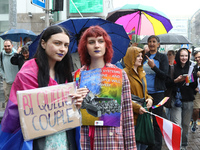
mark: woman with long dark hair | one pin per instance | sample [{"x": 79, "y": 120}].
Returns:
[{"x": 50, "y": 66}]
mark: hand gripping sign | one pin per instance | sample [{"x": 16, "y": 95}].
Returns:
[{"x": 47, "y": 110}]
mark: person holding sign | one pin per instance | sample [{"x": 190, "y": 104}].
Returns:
[
  {"x": 107, "y": 115},
  {"x": 50, "y": 66}
]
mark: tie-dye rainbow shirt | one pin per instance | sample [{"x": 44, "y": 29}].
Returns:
[{"x": 102, "y": 107}]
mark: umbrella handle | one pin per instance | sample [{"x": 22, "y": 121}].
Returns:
[{"x": 20, "y": 41}]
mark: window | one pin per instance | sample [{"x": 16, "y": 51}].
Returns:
[
  {"x": 3, "y": 26},
  {"x": 4, "y": 7}
]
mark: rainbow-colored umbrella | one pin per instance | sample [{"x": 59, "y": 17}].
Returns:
[{"x": 140, "y": 19}]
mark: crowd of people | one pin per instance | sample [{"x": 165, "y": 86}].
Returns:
[{"x": 147, "y": 77}]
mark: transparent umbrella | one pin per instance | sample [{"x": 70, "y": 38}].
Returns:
[{"x": 169, "y": 38}]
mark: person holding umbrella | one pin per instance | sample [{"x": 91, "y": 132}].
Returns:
[
  {"x": 20, "y": 57},
  {"x": 50, "y": 66},
  {"x": 156, "y": 68},
  {"x": 95, "y": 49},
  {"x": 22, "y": 53}
]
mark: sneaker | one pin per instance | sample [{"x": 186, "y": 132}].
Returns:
[
  {"x": 191, "y": 122},
  {"x": 194, "y": 126}
]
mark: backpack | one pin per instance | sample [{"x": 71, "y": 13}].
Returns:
[{"x": 1, "y": 57}]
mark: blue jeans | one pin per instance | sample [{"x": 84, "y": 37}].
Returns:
[
  {"x": 141, "y": 146},
  {"x": 182, "y": 116},
  {"x": 167, "y": 112}
]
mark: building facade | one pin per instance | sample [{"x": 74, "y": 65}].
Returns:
[
  {"x": 21, "y": 14},
  {"x": 194, "y": 32},
  {"x": 180, "y": 25},
  {"x": 4, "y": 18}
]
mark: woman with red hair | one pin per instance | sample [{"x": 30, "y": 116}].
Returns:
[
  {"x": 95, "y": 50},
  {"x": 82, "y": 47}
]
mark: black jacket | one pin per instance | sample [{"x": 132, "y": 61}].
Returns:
[
  {"x": 161, "y": 72},
  {"x": 187, "y": 92},
  {"x": 196, "y": 69},
  {"x": 17, "y": 59}
]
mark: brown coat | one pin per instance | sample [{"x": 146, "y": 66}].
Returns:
[{"x": 135, "y": 78}]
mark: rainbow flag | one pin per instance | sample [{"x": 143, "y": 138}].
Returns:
[
  {"x": 189, "y": 79},
  {"x": 130, "y": 37},
  {"x": 164, "y": 100},
  {"x": 77, "y": 76},
  {"x": 132, "y": 31}
]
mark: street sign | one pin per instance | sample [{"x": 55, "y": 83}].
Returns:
[
  {"x": 92, "y": 6},
  {"x": 39, "y": 3}
]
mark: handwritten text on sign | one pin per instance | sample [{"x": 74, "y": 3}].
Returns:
[{"x": 44, "y": 111}]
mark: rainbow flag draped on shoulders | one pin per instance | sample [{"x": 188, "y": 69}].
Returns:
[
  {"x": 11, "y": 137},
  {"x": 10, "y": 134}
]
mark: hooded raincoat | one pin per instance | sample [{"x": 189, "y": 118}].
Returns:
[
  {"x": 182, "y": 115},
  {"x": 187, "y": 92},
  {"x": 135, "y": 78}
]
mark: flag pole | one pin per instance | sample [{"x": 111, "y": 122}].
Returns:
[
  {"x": 160, "y": 117},
  {"x": 171, "y": 132}
]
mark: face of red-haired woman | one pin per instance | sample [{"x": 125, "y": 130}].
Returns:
[{"x": 96, "y": 47}]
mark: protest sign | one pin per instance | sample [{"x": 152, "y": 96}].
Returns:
[
  {"x": 47, "y": 110},
  {"x": 102, "y": 106}
]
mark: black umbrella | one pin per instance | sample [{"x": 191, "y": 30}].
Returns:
[{"x": 169, "y": 38}]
